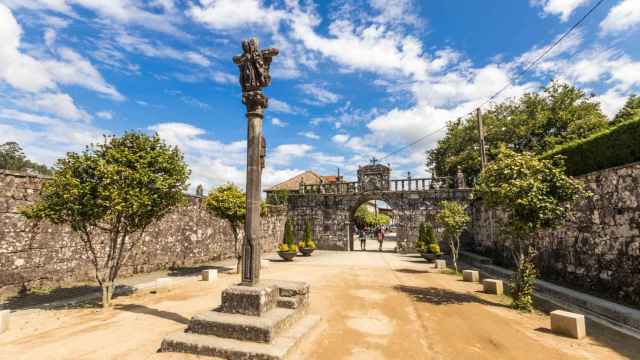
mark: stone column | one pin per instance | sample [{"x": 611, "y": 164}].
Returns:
[{"x": 255, "y": 102}]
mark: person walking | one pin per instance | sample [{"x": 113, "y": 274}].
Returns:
[
  {"x": 380, "y": 237},
  {"x": 363, "y": 240}
]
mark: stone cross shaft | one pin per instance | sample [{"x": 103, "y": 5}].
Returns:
[{"x": 254, "y": 75}]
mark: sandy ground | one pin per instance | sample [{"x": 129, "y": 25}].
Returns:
[{"x": 374, "y": 306}]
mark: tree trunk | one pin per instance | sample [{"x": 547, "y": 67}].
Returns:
[
  {"x": 236, "y": 248},
  {"x": 107, "y": 294}
]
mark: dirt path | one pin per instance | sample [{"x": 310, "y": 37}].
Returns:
[{"x": 374, "y": 306}]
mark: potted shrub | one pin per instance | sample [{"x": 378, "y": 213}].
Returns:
[
  {"x": 307, "y": 246},
  {"x": 429, "y": 248},
  {"x": 287, "y": 250}
]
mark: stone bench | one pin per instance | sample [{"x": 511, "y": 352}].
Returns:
[
  {"x": 441, "y": 264},
  {"x": 209, "y": 275},
  {"x": 568, "y": 324},
  {"x": 4, "y": 320},
  {"x": 471, "y": 276},
  {"x": 492, "y": 286}
]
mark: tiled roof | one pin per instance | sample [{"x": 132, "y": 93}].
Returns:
[{"x": 308, "y": 176}]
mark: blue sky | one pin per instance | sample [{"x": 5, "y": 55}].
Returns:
[{"x": 355, "y": 78}]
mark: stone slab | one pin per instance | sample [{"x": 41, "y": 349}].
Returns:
[
  {"x": 4, "y": 320},
  {"x": 233, "y": 349},
  {"x": 441, "y": 264},
  {"x": 209, "y": 275},
  {"x": 244, "y": 327},
  {"x": 493, "y": 286},
  {"x": 568, "y": 324},
  {"x": 249, "y": 300},
  {"x": 470, "y": 276}
]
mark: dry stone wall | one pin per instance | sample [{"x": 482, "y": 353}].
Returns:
[
  {"x": 47, "y": 253},
  {"x": 597, "y": 251}
]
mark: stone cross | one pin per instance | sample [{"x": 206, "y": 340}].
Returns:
[{"x": 254, "y": 75}]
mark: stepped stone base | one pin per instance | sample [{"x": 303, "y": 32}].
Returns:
[
  {"x": 207, "y": 345},
  {"x": 259, "y": 322}
]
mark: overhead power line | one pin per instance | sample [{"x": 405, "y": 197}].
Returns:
[{"x": 512, "y": 80}]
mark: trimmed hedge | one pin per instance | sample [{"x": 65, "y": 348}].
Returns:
[{"x": 615, "y": 146}]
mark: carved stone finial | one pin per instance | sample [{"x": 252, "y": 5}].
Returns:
[
  {"x": 199, "y": 190},
  {"x": 254, "y": 67}
]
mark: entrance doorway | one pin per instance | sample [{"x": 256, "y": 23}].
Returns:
[{"x": 373, "y": 226}]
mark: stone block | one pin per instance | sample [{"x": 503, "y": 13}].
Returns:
[
  {"x": 4, "y": 320},
  {"x": 209, "y": 275},
  {"x": 163, "y": 282},
  {"x": 493, "y": 286},
  {"x": 568, "y": 324},
  {"x": 471, "y": 276},
  {"x": 441, "y": 264},
  {"x": 249, "y": 300}
]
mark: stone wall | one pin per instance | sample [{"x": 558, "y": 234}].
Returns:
[
  {"x": 597, "y": 251},
  {"x": 47, "y": 253}
]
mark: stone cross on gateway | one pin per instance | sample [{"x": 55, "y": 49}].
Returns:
[{"x": 254, "y": 75}]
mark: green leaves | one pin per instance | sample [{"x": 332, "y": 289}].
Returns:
[
  {"x": 535, "y": 193},
  {"x": 227, "y": 202},
  {"x": 453, "y": 218},
  {"x": 368, "y": 218},
  {"x": 121, "y": 185}
]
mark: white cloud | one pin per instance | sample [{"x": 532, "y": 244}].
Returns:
[
  {"x": 279, "y": 123},
  {"x": 233, "y": 14},
  {"x": 561, "y": 8},
  {"x": 281, "y": 107},
  {"x": 309, "y": 135},
  {"x": 58, "y": 104},
  {"x": 611, "y": 102},
  {"x": 121, "y": 11},
  {"x": 137, "y": 44},
  {"x": 622, "y": 17},
  {"x": 107, "y": 115},
  {"x": 285, "y": 154},
  {"x": 340, "y": 138},
  {"x": 318, "y": 94}
]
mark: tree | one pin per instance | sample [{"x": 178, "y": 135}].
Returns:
[
  {"x": 109, "y": 194},
  {"x": 453, "y": 218},
  {"x": 229, "y": 203},
  {"x": 631, "y": 110},
  {"x": 534, "y": 194},
  {"x": 12, "y": 158},
  {"x": 427, "y": 239},
  {"x": 536, "y": 122},
  {"x": 367, "y": 218}
]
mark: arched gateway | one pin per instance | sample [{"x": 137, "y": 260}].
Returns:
[{"x": 330, "y": 208}]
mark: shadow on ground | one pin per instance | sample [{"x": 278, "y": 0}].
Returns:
[
  {"x": 83, "y": 296},
  {"x": 194, "y": 270},
  {"x": 141, "y": 309},
  {"x": 439, "y": 296},
  {"x": 412, "y": 271}
]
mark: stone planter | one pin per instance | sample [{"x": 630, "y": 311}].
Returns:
[
  {"x": 287, "y": 255},
  {"x": 430, "y": 257},
  {"x": 306, "y": 251}
]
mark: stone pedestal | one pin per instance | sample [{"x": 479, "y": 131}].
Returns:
[
  {"x": 470, "y": 276},
  {"x": 568, "y": 324},
  {"x": 209, "y": 275},
  {"x": 4, "y": 320},
  {"x": 492, "y": 286},
  {"x": 264, "y": 321},
  {"x": 441, "y": 264}
]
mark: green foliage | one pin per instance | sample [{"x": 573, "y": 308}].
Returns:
[
  {"x": 522, "y": 284},
  {"x": 307, "y": 238},
  {"x": 278, "y": 197},
  {"x": 288, "y": 233},
  {"x": 453, "y": 218},
  {"x": 615, "y": 146},
  {"x": 119, "y": 188},
  {"x": 229, "y": 203},
  {"x": 12, "y": 158},
  {"x": 366, "y": 218},
  {"x": 534, "y": 194},
  {"x": 630, "y": 111},
  {"x": 536, "y": 122},
  {"x": 426, "y": 238}
]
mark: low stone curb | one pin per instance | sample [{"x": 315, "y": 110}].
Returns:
[{"x": 610, "y": 314}]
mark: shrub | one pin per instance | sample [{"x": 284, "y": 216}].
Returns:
[
  {"x": 434, "y": 249},
  {"x": 288, "y": 234},
  {"x": 614, "y": 146},
  {"x": 283, "y": 247}
]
